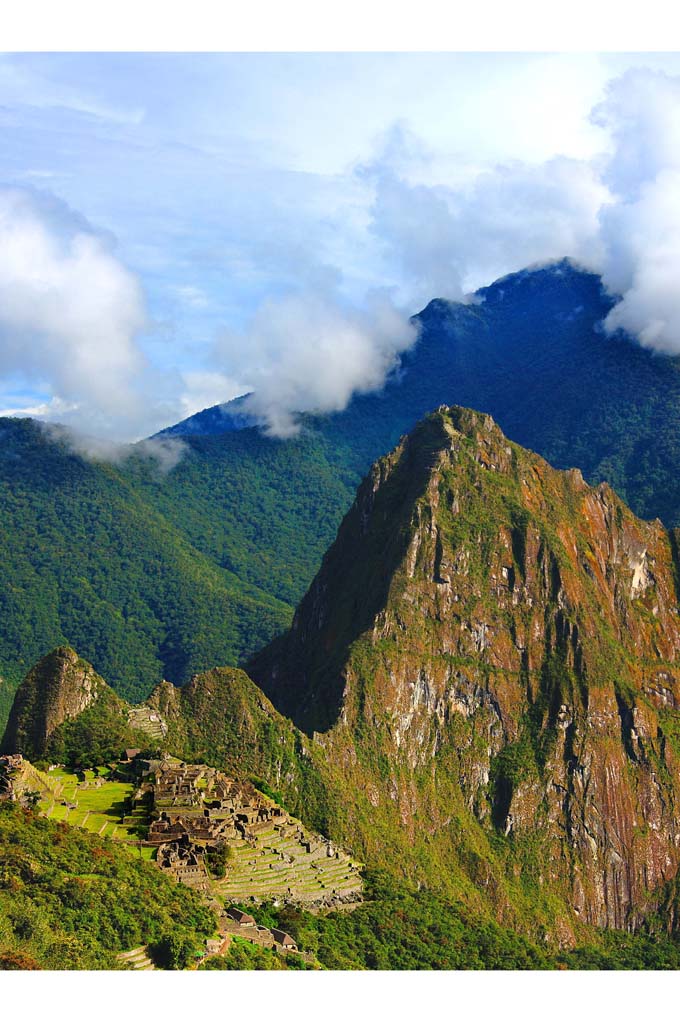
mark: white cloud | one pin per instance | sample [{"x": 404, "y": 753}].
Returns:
[
  {"x": 640, "y": 227},
  {"x": 310, "y": 351},
  {"x": 49, "y": 409},
  {"x": 617, "y": 213},
  {"x": 510, "y": 170},
  {"x": 69, "y": 310},
  {"x": 165, "y": 452},
  {"x": 205, "y": 389},
  {"x": 192, "y": 296},
  {"x": 445, "y": 242}
]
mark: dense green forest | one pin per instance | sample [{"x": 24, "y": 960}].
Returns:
[
  {"x": 71, "y": 901},
  {"x": 401, "y": 929},
  {"x": 87, "y": 561},
  {"x": 97, "y": 735}
]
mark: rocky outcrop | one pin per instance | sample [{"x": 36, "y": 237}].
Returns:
[
  {"x": 61, "y": 686},
  {"x": 490, "y": 653}
]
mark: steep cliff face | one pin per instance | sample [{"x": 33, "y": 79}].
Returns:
[
  {"x": 61, "y": 686},
  {"x": 490, "y": 655}
]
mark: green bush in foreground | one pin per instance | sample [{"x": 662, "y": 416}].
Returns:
[{"x": 71, "y": 901}]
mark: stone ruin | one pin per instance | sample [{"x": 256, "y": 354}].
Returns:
[
  {"x": 205, "y": 805},
  {"x": 184, "y": 861},
  {"x": 196, "y": 806},
  {"x": 91, "y": 784},
  {"x": 10, "y": 767}
]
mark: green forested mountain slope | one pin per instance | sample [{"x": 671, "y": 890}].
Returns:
[
  {"x": 87, "y": 561},
  {"x": 262, "y": 508}
]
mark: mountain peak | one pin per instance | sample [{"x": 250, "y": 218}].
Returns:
[
  {"x": 559, "y": 279},
  {"x": 504, "y": 623},
  {"x": 59, "y": 687}
]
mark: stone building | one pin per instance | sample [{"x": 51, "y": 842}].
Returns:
[
  {"x": 241, "y": 918},
  {"x": 283, "y": 939}
]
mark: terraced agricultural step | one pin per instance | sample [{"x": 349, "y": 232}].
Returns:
[{"x": 141, "y": 719}]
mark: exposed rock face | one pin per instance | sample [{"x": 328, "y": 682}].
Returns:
[
  {"x": 490, "y": 653},
  {"x": 59, "y": 687}
]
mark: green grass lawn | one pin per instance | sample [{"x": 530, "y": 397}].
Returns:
[{"x": 97, "y": 810}]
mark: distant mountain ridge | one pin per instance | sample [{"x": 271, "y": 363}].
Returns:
[
  {"x": 443, "y": 356},
  {"x": 212, "y": 420},
  {"x": 531, "y": 352}
]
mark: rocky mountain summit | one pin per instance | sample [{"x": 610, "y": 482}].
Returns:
[
  {"x": 58, "y": 688},
  {"x": 490, "y": 655}
]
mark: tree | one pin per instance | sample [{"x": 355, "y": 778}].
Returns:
[{"x": 176, "y": 950}]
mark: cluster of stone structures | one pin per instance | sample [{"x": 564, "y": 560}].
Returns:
[
  {"x": 185, "y": 862},
  {"x": 10, "y": 767},
  {"x": 199, "y": 802},
  {"x": 238, "y": 922},
  {"x": 196, "y": 807}
]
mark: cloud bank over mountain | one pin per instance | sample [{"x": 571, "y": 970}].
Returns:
[
  {"x": 448, "y": 242},
  {"x": 312, "y": 351},
  {"x": 295, "y": 272},
  {"x": 618, "y": 214},
  {"x": 640, "y": 226},
  {"x": 69, "y": 309}
]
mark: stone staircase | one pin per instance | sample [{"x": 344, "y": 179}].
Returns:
[{"x": 136, "y": 959}]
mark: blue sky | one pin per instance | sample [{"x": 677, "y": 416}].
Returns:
[{"x": 242, "y": 219}]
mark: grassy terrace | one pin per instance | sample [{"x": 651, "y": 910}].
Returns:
[
  {"x": 107, "y": 810},
  {"x": 277, "y": 866},
  {"x": 263, "y": 873}
]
